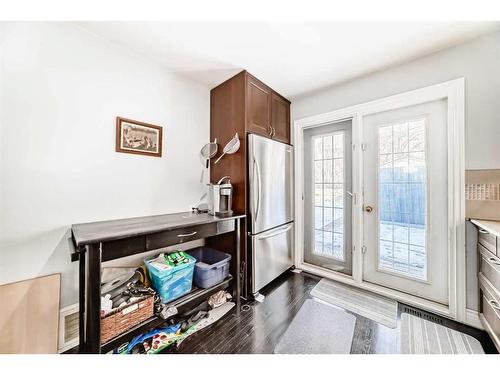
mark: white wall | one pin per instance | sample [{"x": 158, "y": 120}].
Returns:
[
  {"x": 62, "y": 89},
  {"x": 478, "y": 61}
]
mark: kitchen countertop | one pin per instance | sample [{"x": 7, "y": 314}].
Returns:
[{"x": 491, "y": 226}]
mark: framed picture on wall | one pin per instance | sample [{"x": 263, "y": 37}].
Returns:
[{"x": 135, "y": 137}]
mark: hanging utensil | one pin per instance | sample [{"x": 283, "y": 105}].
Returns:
[
  {"x": 207, "y": 152},
  {"x": 232, "y": 146}
]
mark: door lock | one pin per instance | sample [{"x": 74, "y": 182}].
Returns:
[{"x": 368, "y": 209}]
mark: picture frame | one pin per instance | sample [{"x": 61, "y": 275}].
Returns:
[{"x": 136, "y": 137}]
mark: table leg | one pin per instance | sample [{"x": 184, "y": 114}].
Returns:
[
  {"x": 237, "y": 246},
  {"x": 93, "y": 300},
  {"x": 81, "y": 301}
]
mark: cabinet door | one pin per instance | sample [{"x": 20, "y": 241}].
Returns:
[
  {"x": 258, "y": 107},
  {"x": 280, "y": 118}
]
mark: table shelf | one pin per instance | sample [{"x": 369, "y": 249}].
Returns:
[{"x": 184, "y": 303}]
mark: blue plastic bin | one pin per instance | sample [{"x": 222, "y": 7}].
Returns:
[
  {"x": 172, "y": 283},
  {"x": 211, "y": 268}
]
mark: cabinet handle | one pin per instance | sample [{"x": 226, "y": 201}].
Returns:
[
  {"x": 495, "y": 304},
  {"x": 274, "y": 131},
  {"x": 187, "y": 234},
  {"x": 492, "y": 261},
  {"x": 483, "y": 231},
  {"x": 270, "y": 131}
]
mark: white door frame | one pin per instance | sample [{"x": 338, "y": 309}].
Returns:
[{"x": 453, "y": 91}]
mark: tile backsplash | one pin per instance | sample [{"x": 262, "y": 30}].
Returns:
[{"x": 482, "y": 194}]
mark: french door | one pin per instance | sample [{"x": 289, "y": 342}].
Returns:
[
  {"x": 328, "y": 197},
  {"x": 402, "y": 197},
  {"x": 405, "y": 196}
]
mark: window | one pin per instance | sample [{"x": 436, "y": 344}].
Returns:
[
  {"x": 402, "y": 190},
  {"x": 328, "y": 159}
]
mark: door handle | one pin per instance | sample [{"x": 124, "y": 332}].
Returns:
[
  {"x": 257, "y": 168},
  {"x": 368, "y": 209},
  {"x": 278, "y": 232}
]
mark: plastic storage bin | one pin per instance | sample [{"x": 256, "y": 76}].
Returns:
[
  {"x": 212, "y": 266},
  {"x": 171, "y": 283}
]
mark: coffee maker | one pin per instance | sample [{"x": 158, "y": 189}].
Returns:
[{"x": 220, "y": 196}]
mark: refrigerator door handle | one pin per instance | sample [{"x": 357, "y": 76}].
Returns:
[
  {"x": 256, "y": 167},
  {"x": 276, "y": 233}
]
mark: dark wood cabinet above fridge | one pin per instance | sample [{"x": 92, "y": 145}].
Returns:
[{"x": 267, "y": 112}]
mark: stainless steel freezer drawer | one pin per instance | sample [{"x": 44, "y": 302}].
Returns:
[{"x": 271, "y": 255}]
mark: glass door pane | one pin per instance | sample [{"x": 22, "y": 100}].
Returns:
[
  {"x": 329, "y": 177},
  {"x": 402, "y": 193}
]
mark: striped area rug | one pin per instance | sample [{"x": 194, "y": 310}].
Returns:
[
  {"x": 370, "y": 305},
  {"x": 420, "y": 336}
]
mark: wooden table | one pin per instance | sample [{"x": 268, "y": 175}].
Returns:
[{"x": 92, "y": 244}]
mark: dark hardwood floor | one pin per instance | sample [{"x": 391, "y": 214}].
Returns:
[{"x": 259, "y": 326}]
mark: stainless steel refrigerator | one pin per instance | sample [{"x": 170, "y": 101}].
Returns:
[{"x": 271, "y": 208}]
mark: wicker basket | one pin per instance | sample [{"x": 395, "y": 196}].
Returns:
[{"x": 126, "y": 317}]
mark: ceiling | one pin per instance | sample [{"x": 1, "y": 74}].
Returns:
[{"x": 293, "y": 58}]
